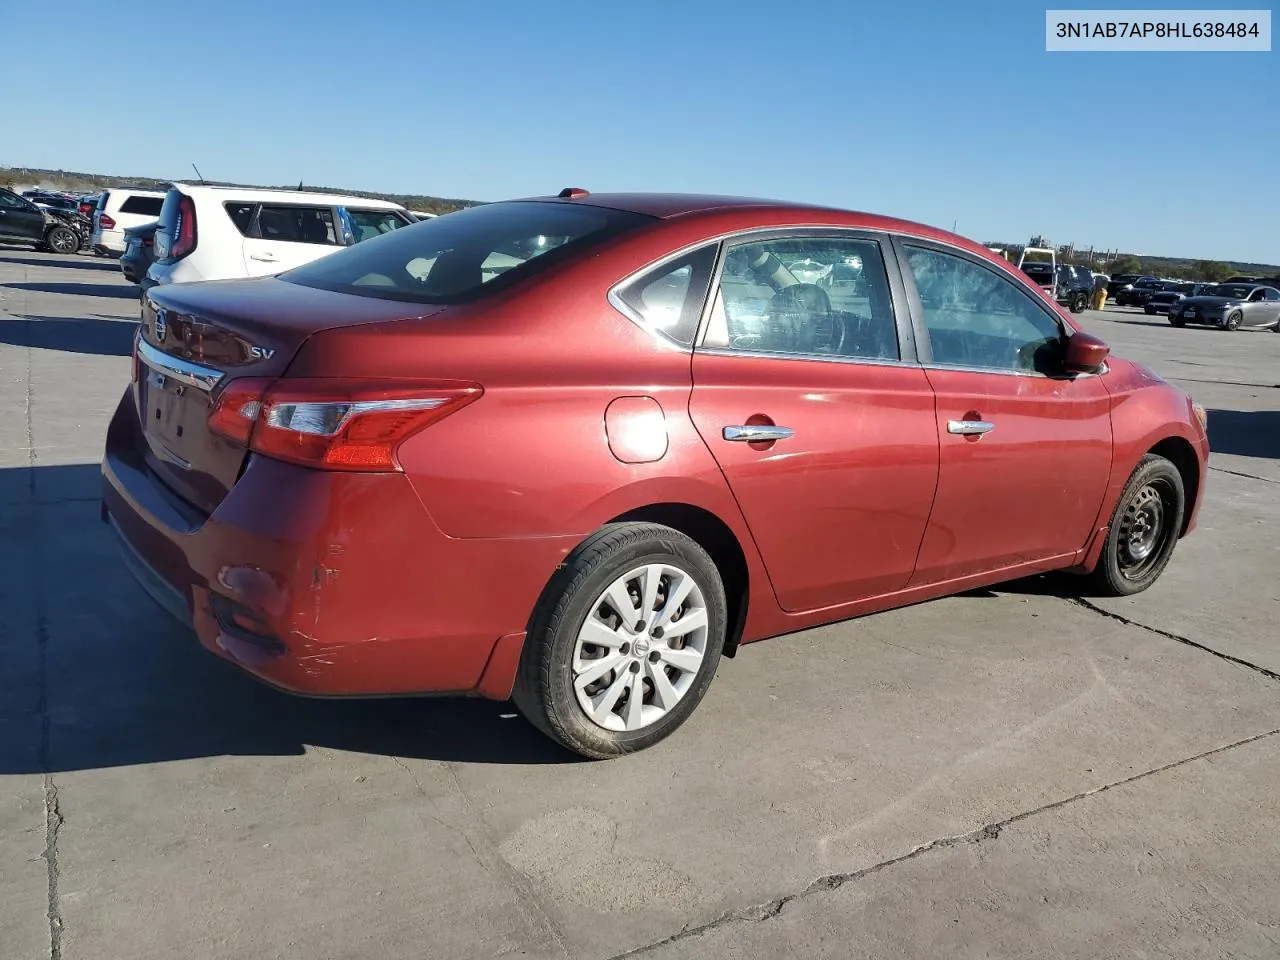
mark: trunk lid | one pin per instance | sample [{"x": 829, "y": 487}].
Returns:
[{"x": 195, "y": 338}]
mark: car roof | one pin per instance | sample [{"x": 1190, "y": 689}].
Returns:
[
  {"x": 736, "y": 213},
  {"x": 263, "y": 194}
]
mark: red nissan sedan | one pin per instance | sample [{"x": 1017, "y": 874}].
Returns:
[{"x": 572, "y": 450}]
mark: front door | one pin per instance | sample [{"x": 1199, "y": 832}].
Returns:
[
  {"x": 1025, "y": 450},
  {"x": 822, "y": 425},
  {"x": 19, "y": 219}
]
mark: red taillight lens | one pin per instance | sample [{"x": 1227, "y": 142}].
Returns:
[
  {"x": 184, "y": 239},
  {"x": 106, "y": 223},
  {"x": 147, "y": 241},
  {"x": 334, "y": 425},
  {"x": 236, "y": 409}
]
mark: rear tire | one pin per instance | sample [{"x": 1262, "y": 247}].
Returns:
[
  {"x": 1149, "y": 311},
  {"x": 1177, "y": 321},
  {"x": 1079, "y": 302},
  {"x": 1144, "y": 529},
  {"x": 577, "y": 627}
]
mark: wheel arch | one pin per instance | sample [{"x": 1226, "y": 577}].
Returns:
[
  {"x": 714, "y": 536},
  {"x": 1178, "y": 451}
]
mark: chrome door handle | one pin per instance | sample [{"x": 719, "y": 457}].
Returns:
[
  {"x": 970, "y": 428},
  {"x": 264, "y": 257},
  {"x": 757, "y": 432}
]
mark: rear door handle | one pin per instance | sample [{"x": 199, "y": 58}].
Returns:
[
  {"x": 757, "y": 432},
  {"x": 264, "y": 257},
  {"x": 970, "y": 428}
]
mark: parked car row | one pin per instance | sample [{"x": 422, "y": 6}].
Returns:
[{"x": 43, "y": 226}]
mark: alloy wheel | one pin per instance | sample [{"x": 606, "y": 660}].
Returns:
[
  {"x": 640, "y": 648},
  {"x": 63, "y": 241}
]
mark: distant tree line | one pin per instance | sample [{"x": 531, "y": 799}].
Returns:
[{"x": 1211, "y": 271}]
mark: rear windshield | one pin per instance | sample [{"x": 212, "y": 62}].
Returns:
[
  {"x": 465, "y": 255},
  {"x": 145, "y": 206}
]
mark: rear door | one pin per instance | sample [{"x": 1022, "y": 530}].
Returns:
[
  {"x": 807, "y": 393},
  {"x": 284, "y": 236},
  {"x": 19, "y": 219},
  {"x": 1025, "y": 450}
]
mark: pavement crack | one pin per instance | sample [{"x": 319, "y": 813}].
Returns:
[
  {"x": 770, "y": 910},
  {"x": 1247, "y": 476},
  {"x": 1088, "y": 605}
]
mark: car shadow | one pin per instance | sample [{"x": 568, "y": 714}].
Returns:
[
  {"x": 111, "y": 337},
  {"x": 96, "y": 676},
  {"x": 128, "y": 292},
  {"x": 73, "y": 262},
  {"x": 1245, "y": 433}
]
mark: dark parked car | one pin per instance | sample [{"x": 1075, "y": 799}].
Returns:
[
  {"x": 1137, "y": 294},
  {"x": 22, "y": 221},
  {"x": 1231, "y": 306},
  {"x": 1072, "y": 286},
  {"x": 1122, "y": 280},
  {"x": 1162, "y": 301},
  {"x": 139, "y": 251},
  {"x": 581, "y": 479}
]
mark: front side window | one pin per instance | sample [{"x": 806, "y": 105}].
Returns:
[
  {"x": 367, "y": 224},
  {"x": 669, "y": 298},
  {"x": 10, "y": 201},
  {"x": 815, "y": 296},
  {"x": 467, "y": 254},
  {"x": 977, "y": 318},
  {"x": 297, "y": 225}
]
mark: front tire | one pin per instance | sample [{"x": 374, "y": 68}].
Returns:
[
  {"x": 1144, "y": 529},
  {"x": 1233, "y": 320},
  {"x": 62, "y": 240},
  {"x": 1079, "y": 302},
  {"x": 624, "y": 642},
  {"x": 1177, "y": 321}
]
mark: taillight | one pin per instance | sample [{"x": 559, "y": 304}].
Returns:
[
  {"x": 105, "y": 222},
  {"x": 236, "y": 409},
  {"x": 184, "y": 234},
  {"x": 147, "y": 241},
  {"x": 334, "y": 425}
]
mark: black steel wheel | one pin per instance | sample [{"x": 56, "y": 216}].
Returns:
[{"x": 1145, "y": 528}]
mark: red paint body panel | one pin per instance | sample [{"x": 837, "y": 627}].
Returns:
[
  {"x": 837, "y": 511},
  {"x": 382, "y": 583},
  {"x": 1029, "y": 489}
]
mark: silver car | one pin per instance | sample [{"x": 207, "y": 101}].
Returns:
[{"x": 1230, "y": 306}]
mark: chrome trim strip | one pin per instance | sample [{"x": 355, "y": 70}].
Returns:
[
  {"x": 820, "y": 357},
  {"x": 184, "y": 371}
]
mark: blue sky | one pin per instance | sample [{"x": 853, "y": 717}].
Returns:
[{"x": 936, "y": 111}]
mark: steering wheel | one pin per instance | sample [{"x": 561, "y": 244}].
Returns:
[{"x": 800, "y": 319}]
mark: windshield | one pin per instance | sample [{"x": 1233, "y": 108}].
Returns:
[
  {"x": 1234, "y": 291},
  {"x": 465, "y": 255}
]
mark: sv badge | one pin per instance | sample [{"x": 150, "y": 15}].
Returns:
[{"x": 261, "y": 353}]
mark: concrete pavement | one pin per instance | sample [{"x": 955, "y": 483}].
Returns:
[{"x": 1008, "y": 773}]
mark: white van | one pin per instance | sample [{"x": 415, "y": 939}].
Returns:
[
  {"x": 117, "y": 210},
  {"x": 223, "y": 233}
]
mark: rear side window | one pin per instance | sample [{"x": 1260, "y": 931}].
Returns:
[
  {"x": 143, "y": 206},
  {"x": 669, "y": 298},
  {"x": 241, "y": 215},
  {"x": 297, "y": 225},
  {"x": 467, "y": 254}
]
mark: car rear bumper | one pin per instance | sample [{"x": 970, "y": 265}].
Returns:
[{"x": 326, "y": 583}]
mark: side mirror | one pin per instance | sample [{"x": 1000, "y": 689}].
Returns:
[{"x": 1085, "y": 353}]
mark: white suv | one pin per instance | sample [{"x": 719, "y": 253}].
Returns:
[
  {"x": 223, "y": 233},
  {"x": 119, "y": 209}
]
